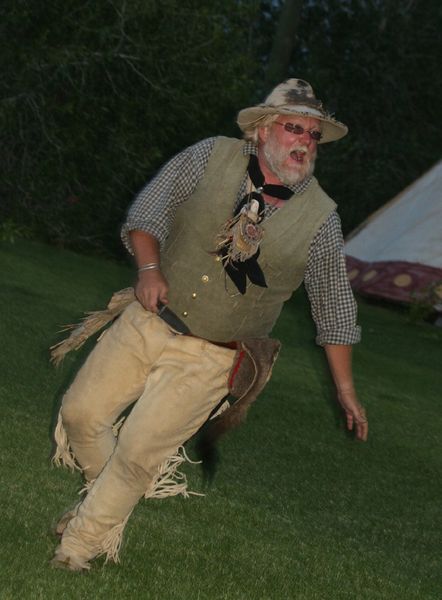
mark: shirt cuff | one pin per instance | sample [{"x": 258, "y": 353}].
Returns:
[
  {"x": 346, "y": 336},
  {"x": 154, "y": 230}
]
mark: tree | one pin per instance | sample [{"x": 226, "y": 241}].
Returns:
[
  {"x": 374, "y": 64},
  {"x": 283, "y": 42},
  {"x": 96, "y": 96}
]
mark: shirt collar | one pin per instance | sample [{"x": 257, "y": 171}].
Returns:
[{"x": 297, "y": 188}]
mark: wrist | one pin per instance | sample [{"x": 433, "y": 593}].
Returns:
[
  {"x": 151, "y": 266},
  {"x": 150, "y": 276},
  {"x": 346, "y": 386}
]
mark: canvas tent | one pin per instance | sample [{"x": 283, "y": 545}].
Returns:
[{"x": 397, "y": 252}]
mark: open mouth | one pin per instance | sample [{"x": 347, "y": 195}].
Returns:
[{"x": 298, "y": 155}]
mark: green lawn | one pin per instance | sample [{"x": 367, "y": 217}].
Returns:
[{"x": 298, "y": 510}]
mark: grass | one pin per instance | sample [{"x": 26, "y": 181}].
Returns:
[{"x": 298, "y": 510}]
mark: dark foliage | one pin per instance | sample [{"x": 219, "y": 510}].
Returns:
[
  {"x": 99, "y": 94},
  {"x": 96, "y": 96},
  {"x": 375, "y": 62}
]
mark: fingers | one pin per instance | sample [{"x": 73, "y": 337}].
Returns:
[
  {"x": 151, "y": 302},
  {"x": 359, "y": 424},
  {"x": 151, "y": 289},
  {"x": 355, "y": 416},
  {"x": 362, "y": 431},
  {"x": 145, "y": 297}
]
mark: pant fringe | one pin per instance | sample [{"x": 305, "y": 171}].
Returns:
[
  {"x": 170, "y": 481},
  {"x": 111, "y": 543},
  {"x": 86, "y": 487},
  {"x": 63, "y": 455},
  {"x": 117, "y": 426}
]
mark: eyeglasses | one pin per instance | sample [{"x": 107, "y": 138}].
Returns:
[{"x": 314, "y": 134}]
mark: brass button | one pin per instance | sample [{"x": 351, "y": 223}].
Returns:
[
  {"x": 185, "y": 313},
  {"x": 194, "y": 295},
  {"x": 205, "y": 278},
  {"x": 217, "y": 258}
]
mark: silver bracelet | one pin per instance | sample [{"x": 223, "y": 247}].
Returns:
[{"x": 148, "y": 267}]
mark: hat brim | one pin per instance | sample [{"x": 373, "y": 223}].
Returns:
[{"x": 332, "y": 130}]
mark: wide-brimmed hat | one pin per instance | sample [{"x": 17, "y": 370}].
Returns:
[{"x": 294, "y": 97}]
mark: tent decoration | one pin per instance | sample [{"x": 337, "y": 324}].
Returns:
[{"x": 396, "y": 253}]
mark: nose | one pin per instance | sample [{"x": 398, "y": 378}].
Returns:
[{"x": 306, "y": 138}]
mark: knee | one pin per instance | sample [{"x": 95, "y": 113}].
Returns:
[{"x": 77, "y": 416}]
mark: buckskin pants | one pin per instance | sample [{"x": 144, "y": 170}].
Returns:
[{"x": 175, "y": 382}]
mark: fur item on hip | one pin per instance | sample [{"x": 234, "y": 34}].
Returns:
[{"x": 251, "y": 371}]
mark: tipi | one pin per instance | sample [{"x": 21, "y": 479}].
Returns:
[{"x": 397, "y": 252}]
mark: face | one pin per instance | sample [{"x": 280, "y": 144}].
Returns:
[{"x": 289, "y": 156}]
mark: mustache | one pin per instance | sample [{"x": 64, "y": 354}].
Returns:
[{"x": 300, "y": 148}]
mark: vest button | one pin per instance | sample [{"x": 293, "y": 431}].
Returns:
[
  {"x": 205, "y": 278},
  {"x": 185, "y": 313},
  {"x": 217, "y": 258},
  {"x": 194, "y": 295}
]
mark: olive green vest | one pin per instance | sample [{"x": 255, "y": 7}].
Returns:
[{"x": 200, "y": 292}]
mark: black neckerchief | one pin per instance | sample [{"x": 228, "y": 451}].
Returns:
[
  {"x": 276, "y": 191},
  {"x": 239, "y": 271}
]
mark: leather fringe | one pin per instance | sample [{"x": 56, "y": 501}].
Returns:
[
  {"x": 63, "y": 455},
  {"x": 112, "y": 540},
  {"x": 170, "y": 481},
  {"x": 92, "y": 322}
]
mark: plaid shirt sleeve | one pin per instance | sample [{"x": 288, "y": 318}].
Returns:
[
  {"x": 332, "y": 303},
  {"x": 153, "y": 209}
]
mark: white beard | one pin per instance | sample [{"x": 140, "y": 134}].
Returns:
[{"x": 276, "y": 157}]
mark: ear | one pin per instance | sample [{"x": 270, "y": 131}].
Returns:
[{"x": 263, "y": 134}]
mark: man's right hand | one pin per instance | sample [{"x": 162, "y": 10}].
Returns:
[{"x": 151, "y": 288}]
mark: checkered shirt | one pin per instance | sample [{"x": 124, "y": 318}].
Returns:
[{"x": 332, "y": 303}]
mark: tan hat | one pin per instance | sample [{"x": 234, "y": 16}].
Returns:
[{"x": 293, "y": 97}]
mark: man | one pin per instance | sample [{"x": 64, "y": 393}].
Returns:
[{"x": 222, "y": 236}]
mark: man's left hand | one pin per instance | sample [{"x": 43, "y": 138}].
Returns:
[{"x": 354, "y": 412}]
